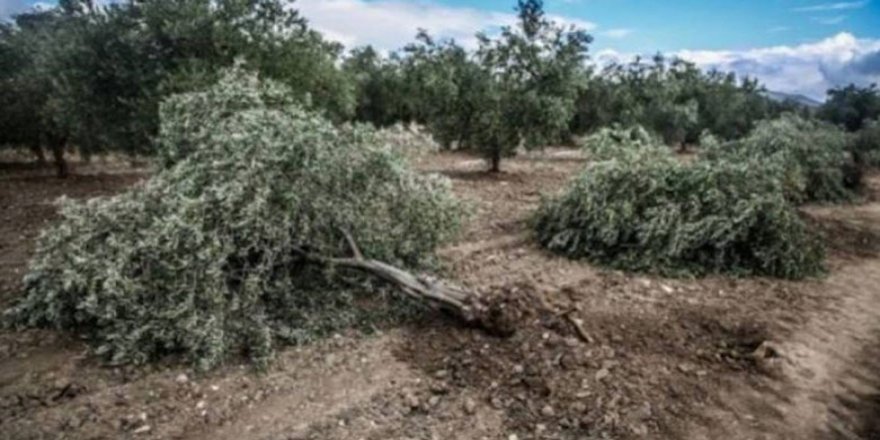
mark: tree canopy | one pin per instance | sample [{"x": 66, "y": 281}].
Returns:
[
  {"x": 91, "y": 77},
  {"x": 533, "y": 72},
  {"x": 851, "y": 106},
  {"x": 672, "y": 98}
]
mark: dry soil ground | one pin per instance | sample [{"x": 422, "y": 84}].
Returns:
[{"x": 599, "y": 354}]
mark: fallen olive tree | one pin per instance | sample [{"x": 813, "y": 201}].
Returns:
[
  {"x": 811, "y": 158},
  {"x": 264, "y": 224},
  {"x": 643, "y": 209},
  {"x": 439, "y": 295}
]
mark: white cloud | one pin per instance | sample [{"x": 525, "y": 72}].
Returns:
[
  {"x": 809, "y": 69},
  {"x": 617, "y": 33},
  {"x": 839, "y": 6},
  {"x": 10, "y": 7},
  {"x": 390, "y": 24},
  {"x": 830, "y": 20}
]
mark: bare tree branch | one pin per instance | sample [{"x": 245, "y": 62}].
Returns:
[
  {"x": 439, "y": 295},
  {"x": 355, "y": 250}
]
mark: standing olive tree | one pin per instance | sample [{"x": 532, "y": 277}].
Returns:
[
  {"x": 450, "y": 88},
  {"x": 89, "y": 77},
  {"x": 18, "y": 126},
  {"x": 672, "y": 98},
  {"x": 377, "y": 86},
  {"x": 35, "y": 50},
  {"x": 531, "y": 77},
  {"x": 851, "y": 106}
]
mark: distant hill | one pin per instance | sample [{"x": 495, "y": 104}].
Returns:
[{"x": 798, "y": 99}]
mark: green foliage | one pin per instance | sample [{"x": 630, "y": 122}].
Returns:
[
  {"x": 201, "y": 259},
  {"x": 18, "y": 107},
  {"x": 411, "y": 141},
  {"x": 811, "y": 158},
  {"x": 657, "y": 214},
  {"x": 517, "y": 90},
  {"x": 866, "y": 144},
  {"x": 92, "y": 77},
  {"x": 534, "y": 71},
  {"x": 33, "y": 49},
  {"x": 673, "y": 98},
  {"x": 378, "y": 86},
  {"x": 851, "y": 107},
  {"x": 609, "y": 143},
  {"x": 449, "y": 87}
]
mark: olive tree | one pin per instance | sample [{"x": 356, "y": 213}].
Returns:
[
  {"x": 20, "y": 106},
  {"x": 812, "y": 158},
  {"x": 865, "y": 144},
  {"x": 35, "y": 49},
  {"x": 265, "y": 224},
  {"x": 672, "y": 98},
  {"x": 851, "y": 106},
  {"x": 90, "y": 77},
  {"x": 532, "y": 73},
  {"x": 448, "y": 86},
  {"x": 639, "y": 208},
  {"x": 377, "y": 87}
]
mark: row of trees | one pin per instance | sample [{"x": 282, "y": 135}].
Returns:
[
  {"x": 530, "y": 87},
  {"x": 857, "y": 110},
  {"x": 674, "y": 99},
  {"x": 91, "y": 78},
  {"x": 852, "y": 107}
]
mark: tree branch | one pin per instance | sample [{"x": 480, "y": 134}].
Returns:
[
  {"x": 465, "y": 305},
  {"x": 355, "y": 250}
]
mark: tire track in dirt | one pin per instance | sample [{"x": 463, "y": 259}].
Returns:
[
  {"x": 367, "y": 394},
  {"x": 320, "y": 394},
  {"x": 822, "y": 379}
]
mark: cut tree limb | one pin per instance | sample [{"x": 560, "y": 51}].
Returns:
[{"x": 438, "y": 294}]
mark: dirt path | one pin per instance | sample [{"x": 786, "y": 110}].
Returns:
[{"x": 827, "y": 373}]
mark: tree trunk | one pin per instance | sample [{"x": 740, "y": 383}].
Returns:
[
  {"x": 58, "y": 154},
  {"x": 438, "y": 295},
  {"x": 466, "y": 305},
  {"x": 39, "y": 154},
  {"x": 495, "y": 161}
]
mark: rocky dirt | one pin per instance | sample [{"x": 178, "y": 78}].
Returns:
[{"x": 599, "y": 354}]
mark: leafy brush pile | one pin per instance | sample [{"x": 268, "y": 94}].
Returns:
[
  {"x": 656, "y": 214},
  {"x": 614, "y": 142},
  {"x": 411, "y": 141},
  {"x": 202, "y": 260},
  {"x": 812, "y": 158}
]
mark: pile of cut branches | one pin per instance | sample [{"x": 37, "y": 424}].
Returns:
[
  {"x": 643, "y": 209},
  {"x": 812, "y": 158},
  {"x": 244, "y": 238}
]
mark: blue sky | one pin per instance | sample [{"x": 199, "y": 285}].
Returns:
[
  {"x": 794, "y": 46},
  {"x": 711, "y": 24}
]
